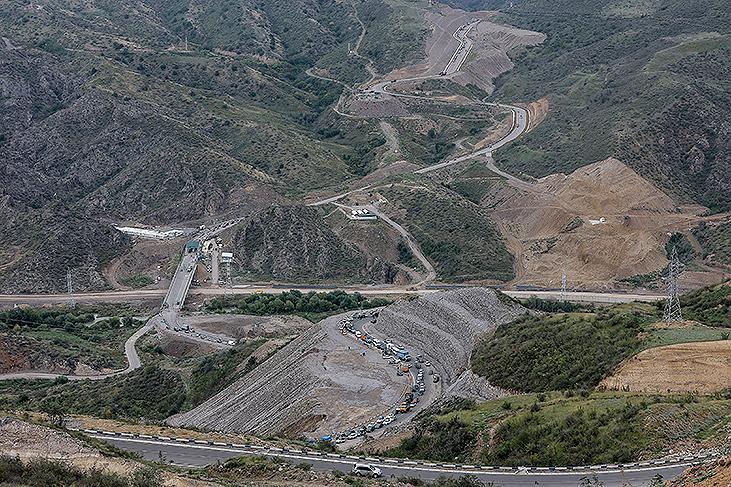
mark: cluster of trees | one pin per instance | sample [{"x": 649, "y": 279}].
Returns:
[
  {"x": 17, "y": 319},
  {"x": 553, "y": 306},
  {"x": 545, "y": 353},
  {"x": 292, "y": 302}
]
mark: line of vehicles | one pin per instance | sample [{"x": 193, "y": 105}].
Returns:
[{"x": 396, "y": 355}]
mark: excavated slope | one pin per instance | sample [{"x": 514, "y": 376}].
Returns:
[
  {"x": 321, "y": 382},
  {"x": 444, "y": 326}
]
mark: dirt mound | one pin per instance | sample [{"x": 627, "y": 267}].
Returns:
[
  {"x": 601, "y": 223},
  {"x": 488, "y": 57},
  {"x": 686, "y": 367},
  {"x": 716, "y": 474}
]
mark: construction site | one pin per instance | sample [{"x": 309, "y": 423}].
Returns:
[{"x": 349, "y": 371}]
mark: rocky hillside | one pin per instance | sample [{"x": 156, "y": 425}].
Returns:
[
  {"x": 293, "y": 243},
  {"x": 645, "y": 82},
  {"x": 160, "y": 112}
]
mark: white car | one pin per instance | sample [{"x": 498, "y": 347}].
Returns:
[{"x": 365, "y": 470}]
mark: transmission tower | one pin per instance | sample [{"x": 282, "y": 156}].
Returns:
[
  {"x": 563, "y": 286},
  {"x": 672, "y": 303}
]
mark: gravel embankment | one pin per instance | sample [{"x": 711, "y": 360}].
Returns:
[{"x": 444, "y": 327}]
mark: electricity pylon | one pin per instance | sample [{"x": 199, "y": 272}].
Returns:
[
  {"x": 563, "y": 286},
  {"x": 672, "y": 302}
]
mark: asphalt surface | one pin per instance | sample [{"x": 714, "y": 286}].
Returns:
[
  {"x": 198, "y": 454},
  {"x": 121, "y": 296}
]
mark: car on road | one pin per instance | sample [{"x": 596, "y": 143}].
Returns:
[
  {"x": 435, "y": 379},
  {"x": 365, "y": 470},
  {"x": 427, "y": 363},
  {"x": 353, "y": 435}
]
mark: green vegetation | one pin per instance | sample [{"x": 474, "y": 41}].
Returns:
[
  {"x": 555, "y": 306},
  {"x": 311, "y": 305},
  {"x": 457, "y": 236},
  {"x": 553, "y": 430},
  {"x": 577, "y": 346},
  {"x": 681, "y": 244},
  {"x": 138, "y": 280},
  {"x": 51, "y": 473},
  {"x": 715, "y": 242},
  {"x": 565, "y": 351},
  {"x": 710, "y": 305},
  {"x": 70, "y": 335},
  {"x": 149, "y": 392},
  {"x": 647, "y": 87},
  {"x": 396, "y": 33}
]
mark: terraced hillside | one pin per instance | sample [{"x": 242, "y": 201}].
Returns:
[{"x": 323, "y": 381}]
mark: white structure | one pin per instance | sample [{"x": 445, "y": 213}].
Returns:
[
  {"x": 227, "y": 257},
  {"x": 600, "y": 221},
  {"x": 151, "y": 234},
  {"x": 362, "y": 214}
]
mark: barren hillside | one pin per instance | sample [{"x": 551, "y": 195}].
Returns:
[{"x": 601, "y": 223}]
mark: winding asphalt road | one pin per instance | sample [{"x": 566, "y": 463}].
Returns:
[
  {"x": 133, "y": 361},
  {"x": 198, "y": 453}
]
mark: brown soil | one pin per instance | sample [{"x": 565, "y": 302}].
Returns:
[
  {"x": 144, "y": 259},
  {"x": 537, "y": 219},
  {"x": 687, "y": 367},
  {"x": 716, "y": 474},
  {"x": 537, "y": 112}
]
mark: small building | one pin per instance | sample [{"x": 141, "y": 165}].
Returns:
[
  {"x": 362, "y": 214},
  {"x": 193, "y": 246},
  {"x": 227, "y": 257}
]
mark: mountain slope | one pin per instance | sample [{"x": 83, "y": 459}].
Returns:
[{"x": 647, "y": 84}]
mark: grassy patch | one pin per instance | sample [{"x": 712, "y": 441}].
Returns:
[
  {"x": 552, "y": 429},
  {"x": 138, "y": 280}
]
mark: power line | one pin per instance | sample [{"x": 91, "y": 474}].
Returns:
[{"x": 672, "y": 303}]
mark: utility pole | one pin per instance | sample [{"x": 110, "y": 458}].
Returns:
[
  {"x": 563, "y": 286},
  {"x": 69, "y": 286},
  {"x": 672, "y": 302}
]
